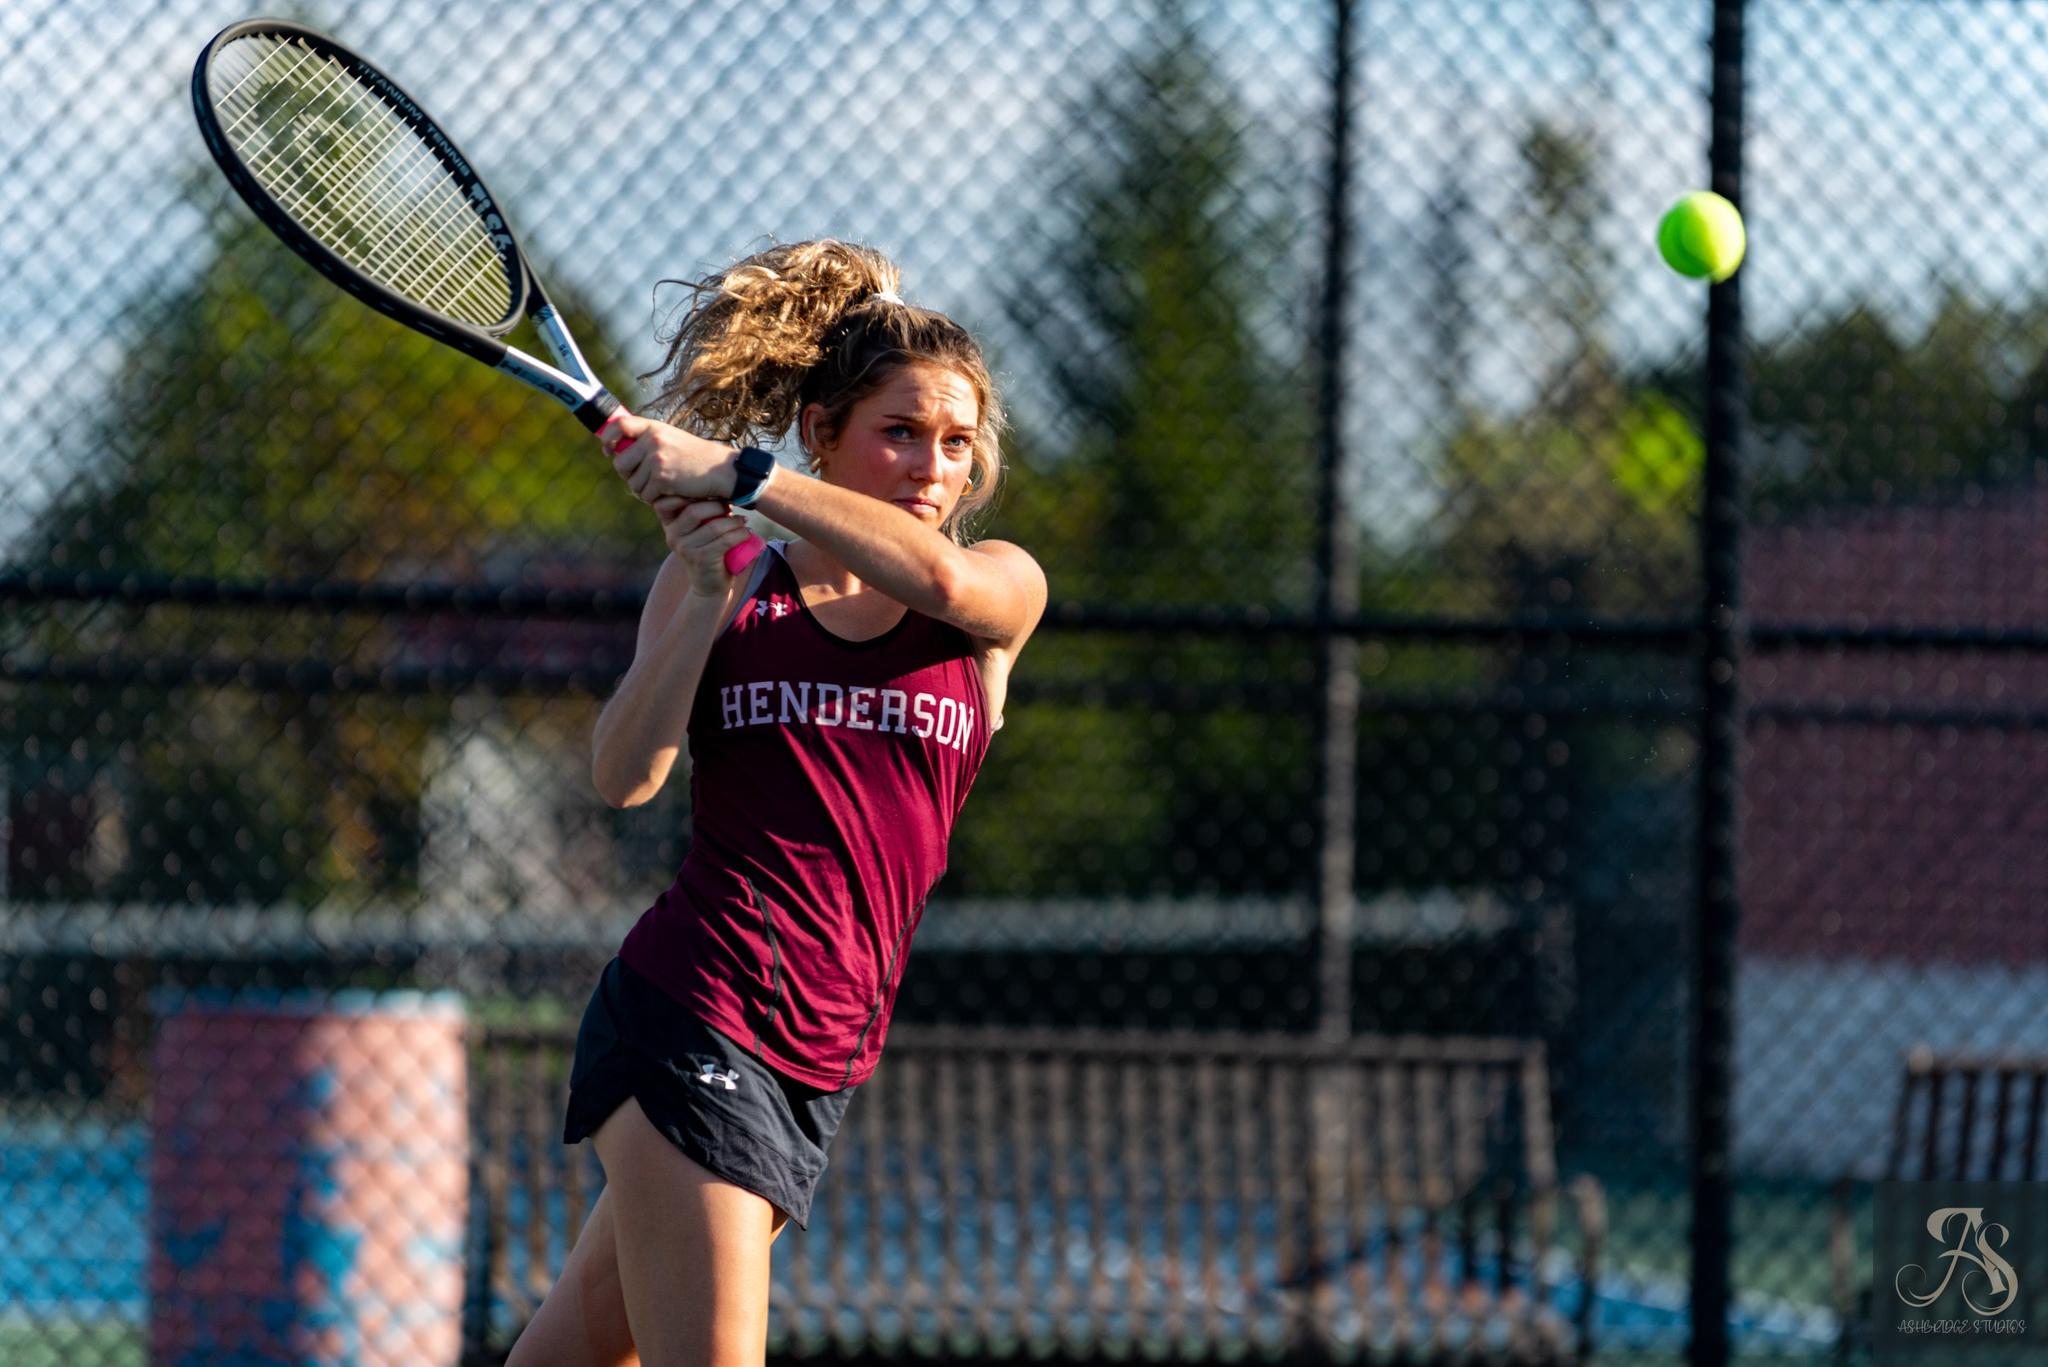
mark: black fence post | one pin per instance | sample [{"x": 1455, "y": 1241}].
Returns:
[
  {"x": 1336, "y": 570},
  {"x": 1719, "y": 909}
]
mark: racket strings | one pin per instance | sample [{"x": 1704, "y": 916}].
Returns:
[
  {"x": 352, "y": 174},
  {"x": 422, "y": 251},
  {"x": 351, "y": 204},
  {"x": 358, "y": 177}
]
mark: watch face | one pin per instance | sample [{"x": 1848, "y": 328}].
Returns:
[{"x": 754, "y": 465}]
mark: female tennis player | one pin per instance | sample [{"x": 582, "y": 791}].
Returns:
[{"x": 837, "y": 698}]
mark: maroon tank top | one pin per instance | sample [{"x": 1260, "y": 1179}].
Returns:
[{"x": 825, "y": 777}]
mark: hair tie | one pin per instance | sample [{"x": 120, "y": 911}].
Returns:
[{"x": 888, "y": 297}]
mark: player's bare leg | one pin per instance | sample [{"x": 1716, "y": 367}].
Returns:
[
  {"x": 582, "y": 1323},
  {"x": 692, "y": 1250}
]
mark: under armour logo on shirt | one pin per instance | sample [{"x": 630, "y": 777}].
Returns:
[{"x": 710, "y": 1075}]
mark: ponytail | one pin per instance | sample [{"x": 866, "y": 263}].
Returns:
[{"x": 736, "y": 363}]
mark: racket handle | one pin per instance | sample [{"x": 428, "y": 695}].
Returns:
[
  {"x": 610, "y": 416},
  {"x": 739, "y": 557},
  {"x": 597, "y": 414}
]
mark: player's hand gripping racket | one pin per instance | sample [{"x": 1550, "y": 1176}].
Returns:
[{"x": 347, "y": 168}]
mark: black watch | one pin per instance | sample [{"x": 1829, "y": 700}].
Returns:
[{"x": 753, "y": 467}]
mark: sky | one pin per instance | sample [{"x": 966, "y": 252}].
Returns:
[{"x": 1891, "y": 145}]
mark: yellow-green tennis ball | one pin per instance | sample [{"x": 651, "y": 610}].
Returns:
[{"x": 1702, "y": 235}]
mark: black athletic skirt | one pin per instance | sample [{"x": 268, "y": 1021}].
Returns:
[{"x": 717, "y": 1103}]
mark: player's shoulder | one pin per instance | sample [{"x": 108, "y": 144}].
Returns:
[
  {"x": 1010, "y": 554},
  {"x": 1022, "y": 568},
  {"x": 1027, "y": 578}
]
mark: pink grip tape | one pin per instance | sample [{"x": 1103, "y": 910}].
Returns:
[{"x": 746, "y": 553}]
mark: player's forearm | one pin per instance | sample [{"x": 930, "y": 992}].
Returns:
[
  {"x": 642, "y": 729},
  {"x": 888, "y": 548}
]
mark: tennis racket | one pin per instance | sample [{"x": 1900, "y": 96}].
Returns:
[{"x": 346, "y": 168}]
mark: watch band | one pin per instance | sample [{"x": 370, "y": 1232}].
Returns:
[{"x": 751, "y": 473}]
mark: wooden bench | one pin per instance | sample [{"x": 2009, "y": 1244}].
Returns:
[
  {"x": 1959, "y": 1118},
  {"x": 1075, "y": 1195}
]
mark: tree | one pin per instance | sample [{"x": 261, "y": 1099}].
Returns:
[
  {"x": 1183, "y": 476},
  {"x": 1855, "y": 410},
  {"x": 263, "y": 425},
  {"x": 1189, "y": 418},
  {"x": 1592, "y": 485},
  {"x": 1579, "y": 501}
]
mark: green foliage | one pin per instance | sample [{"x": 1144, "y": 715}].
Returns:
[
  {"x": 1190, "y": 477},
  {"x": 1857, "y": 410},
  {"x": 1060, "y": 804},
  {"x": 1187, "y": 480},
  {"x": 1585, "y": 498},
  {"x": 263, "y": 424},
  {"x": 1608, "y": 485}
]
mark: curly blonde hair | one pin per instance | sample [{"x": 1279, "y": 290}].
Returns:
[{"x": 815, "y": 322}]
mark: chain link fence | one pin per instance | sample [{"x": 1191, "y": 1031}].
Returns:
[{"x": 1374, "y": 539}]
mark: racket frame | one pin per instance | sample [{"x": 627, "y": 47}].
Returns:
[{"x": 569, "y": 381}]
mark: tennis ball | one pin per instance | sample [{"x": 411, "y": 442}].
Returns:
[{"x": 1702, "y": 235}]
